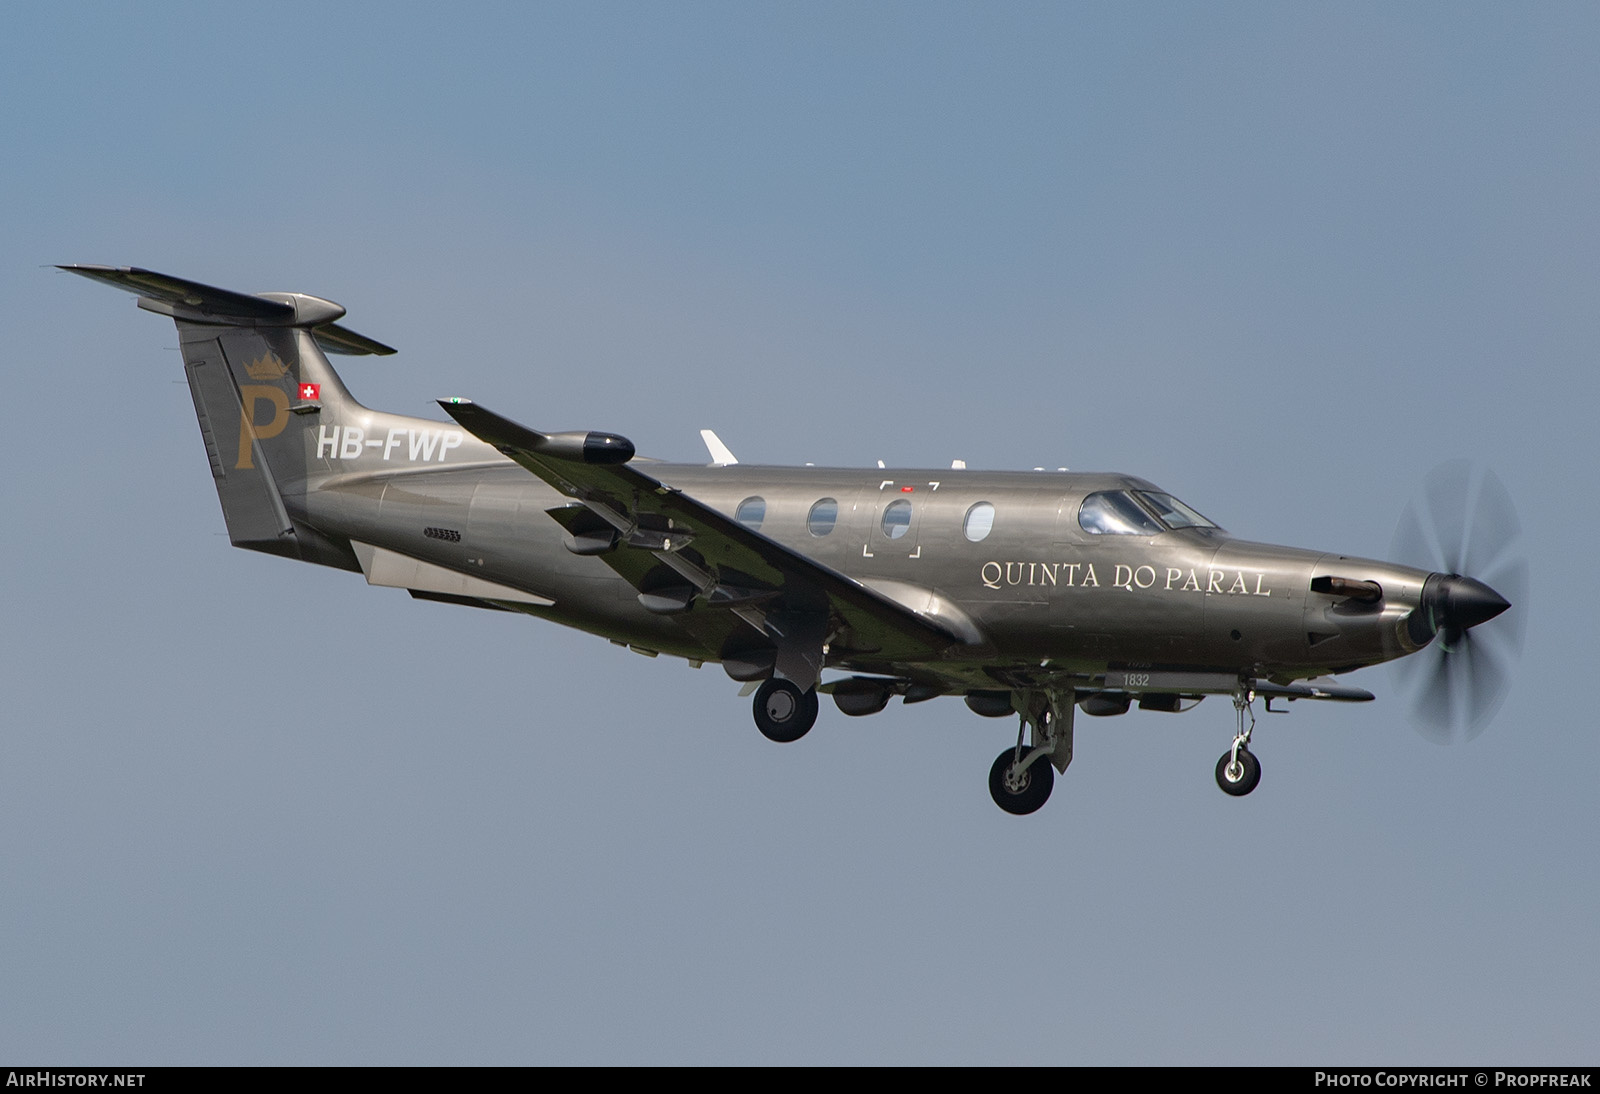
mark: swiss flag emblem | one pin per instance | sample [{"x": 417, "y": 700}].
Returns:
[{"x": 310, "y": 392}]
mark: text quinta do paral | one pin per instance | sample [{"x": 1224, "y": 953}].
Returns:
[{"x": 1084, "y": 575}]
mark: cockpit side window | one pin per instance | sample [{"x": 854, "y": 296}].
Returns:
[
  {"x": 1115, "y": 513},
  {"x": 1173, "y": 513}
]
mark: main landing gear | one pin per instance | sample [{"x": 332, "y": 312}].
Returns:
[
  {"x": 784, "y": 712},
  {"x": 1017, "y": 789},
  {"x": 1022, "y": 777},
  {"x": 1239, "y": 771}
]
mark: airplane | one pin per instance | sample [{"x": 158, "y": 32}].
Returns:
[{"x": 1030, "y": 594}]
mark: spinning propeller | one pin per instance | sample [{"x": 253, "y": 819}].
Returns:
[{"x": 1466, "y": 525}]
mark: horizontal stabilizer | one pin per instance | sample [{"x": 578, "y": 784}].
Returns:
[
  {"x": 336, "y": 339},
  {"x": 196, "y": 303},
  {"x": 224, "y": 304}
]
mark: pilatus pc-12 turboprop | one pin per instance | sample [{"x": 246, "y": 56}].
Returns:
[{"x": 1030, "y": 594}]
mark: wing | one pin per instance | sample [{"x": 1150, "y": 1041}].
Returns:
[{"x": 729, "y": 585}]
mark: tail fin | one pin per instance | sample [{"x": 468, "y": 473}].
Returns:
[{"x": 254, "y": 361}]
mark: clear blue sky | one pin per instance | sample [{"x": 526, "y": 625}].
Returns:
[{"x": 1280, "y": 258}]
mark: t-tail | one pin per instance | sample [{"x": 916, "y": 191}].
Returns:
[{"x": 265, "y": 396}]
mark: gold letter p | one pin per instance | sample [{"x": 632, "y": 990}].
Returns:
[{"x": 252, "y": 394}]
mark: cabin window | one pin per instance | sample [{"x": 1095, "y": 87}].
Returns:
[
  {"x": 1115, "y": 513},
  {"x": 824, "y": 514},
  {"x": 751, "y": 512},
  {"x": 897, "y": 519},
  {"x": 979, "y": 522}
]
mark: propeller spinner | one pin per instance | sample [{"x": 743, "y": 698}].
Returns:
[{"x": 1467, "y": 524}]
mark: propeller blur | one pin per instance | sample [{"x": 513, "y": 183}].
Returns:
[{"x": 1465, "y": 523}]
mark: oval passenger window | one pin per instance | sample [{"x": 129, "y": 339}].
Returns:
[
  {"x": 897, "y": 519},
  {"x": 824, "y": 514},
  {"x": 751, "y": 512},
  {"x": 979, "y": 522}
]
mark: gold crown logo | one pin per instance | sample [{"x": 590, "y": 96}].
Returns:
[{"x": 267, "y": 367}]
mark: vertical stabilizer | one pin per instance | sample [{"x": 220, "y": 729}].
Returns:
[{"x": 255, "y": 364}]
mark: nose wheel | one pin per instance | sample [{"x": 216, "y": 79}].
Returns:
[{"x": 1238, "y": 771}]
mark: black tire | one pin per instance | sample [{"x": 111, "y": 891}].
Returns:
[
  {"x": 1246, "y": 778},
  {"x": 1037, "y": 783},
  {"x": 783, "y": 712}
]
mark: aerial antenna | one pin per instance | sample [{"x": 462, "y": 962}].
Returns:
[{"x": 720, "y": 455}]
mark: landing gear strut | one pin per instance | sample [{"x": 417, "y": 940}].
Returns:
[
  {"x": 783, "y": 712},
  {"x": 1022, "y": 777},
  {"x": 1239, "y": 771}
]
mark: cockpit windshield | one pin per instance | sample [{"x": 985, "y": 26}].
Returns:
[
  {"x": 1115, "y": 513},
  {"x": 1136, "y": 513},
  {"x": 1173, "y": 513}
]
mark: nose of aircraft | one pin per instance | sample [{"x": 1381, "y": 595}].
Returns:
[
  {"x": 1465, "y": 602},
  {"x": 1451, "y": 602}
]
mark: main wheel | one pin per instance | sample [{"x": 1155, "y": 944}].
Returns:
[
  {"x": 1239, "y": 778},
  {"x": 1020, "y": 793},
  {"x": 783, "y": 712}
]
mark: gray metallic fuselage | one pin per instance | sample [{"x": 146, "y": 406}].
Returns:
[
  {"x": 1031, "y": 594},
  {"x": 1037, "y": 588}
]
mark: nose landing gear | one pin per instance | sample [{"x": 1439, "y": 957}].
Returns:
[{"x": 1238, "y": 771}]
